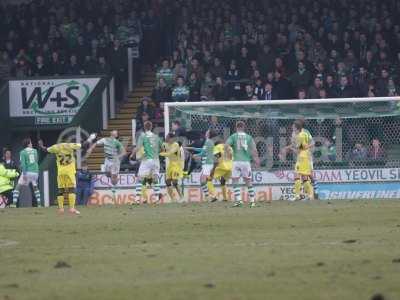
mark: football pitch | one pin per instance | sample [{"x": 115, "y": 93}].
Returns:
[{"x": 284, "y": 250}]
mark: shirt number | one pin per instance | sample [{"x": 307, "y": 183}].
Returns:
[
  {"x": 32, "y": 158},
  {"x": 242, "y": 143},
  {"x": 65, "y": 159}
]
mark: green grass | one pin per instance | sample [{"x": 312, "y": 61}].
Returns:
[{"x": 338, "y": 250}]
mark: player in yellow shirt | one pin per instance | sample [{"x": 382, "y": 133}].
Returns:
[
  {"x": 66, "y": 174},
  {"x": 222, "y": 168},
  {"x": 172, "y": 150},
  {"x": 303, "y": 167}
]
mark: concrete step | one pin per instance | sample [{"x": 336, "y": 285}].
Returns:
[
  {"x": 117, "y": 122},
  {"x": 132, "y": 103},
  {"x": 148, "y": 84},
  {"x": 128, "y": 114},
  {"x": 123, "y": 120},
  {"x": 147, "y": 89}
]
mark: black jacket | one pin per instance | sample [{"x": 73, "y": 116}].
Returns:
[{"x": 272, "y": 96}]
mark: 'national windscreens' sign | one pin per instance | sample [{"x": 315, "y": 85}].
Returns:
[{"x": 49, "y": 101}]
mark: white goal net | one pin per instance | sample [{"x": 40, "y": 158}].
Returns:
[{"x": 348, "y": 133}]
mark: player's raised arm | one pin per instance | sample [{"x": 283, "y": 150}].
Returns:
[
  {"x": 90, "y": 142},
  {"x": 54, "y": 149},
  {"x": 74, "y": 146}
]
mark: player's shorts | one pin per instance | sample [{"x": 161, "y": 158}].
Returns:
[
  {"x": 206, "y": 170},
  {"x": 241, "y": 169},
  {"x": 66, "y": 181},
  {"x": 222, "y": 172},
  {"x": 303, "y": 165},
  {"x": 30, "y": 177},
  {"x": 112, "y": 166},
  {"x": 174, "y": 171},
  {"x": 149, "y": 168}
]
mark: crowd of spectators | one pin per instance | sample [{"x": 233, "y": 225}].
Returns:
[
  {"x": 214, "y": 50},
  {"x": 266, "y": 50},
  {"x": 56, "y": 37}
]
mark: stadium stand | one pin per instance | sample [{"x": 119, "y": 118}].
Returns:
[
  {"x": 292, "y": 45},
  {"x": 218, "y": 50}
]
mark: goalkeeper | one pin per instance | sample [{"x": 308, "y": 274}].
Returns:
[
  {"x": 303, "y": 167},
  {"x": 311, "y": 146},
  {"x": 293, "y": 148}
]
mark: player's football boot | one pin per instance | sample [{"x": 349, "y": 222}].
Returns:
[
  {"x": 74, "y": 211},
  {"x": 296, "y": 198},
  {"x": 60, "y": 211},
  {"x": 214, "y": 199},
  {"x": 237, "y": 204},
  {"x": 252, "y": 204}
]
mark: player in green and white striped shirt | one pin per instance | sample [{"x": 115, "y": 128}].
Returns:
[
  {"x": 148, "y": 150},
  {"x": 244, "y": 151},
  {"x": 29, "y": 163},
  {"x": 113, "y": 152}
]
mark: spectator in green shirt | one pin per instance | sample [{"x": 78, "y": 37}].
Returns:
[
  {"x": 166, "y": 73},
  {"x": 181, "y": 92}
]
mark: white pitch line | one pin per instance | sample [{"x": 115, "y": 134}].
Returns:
[{"x": 7, "y": 243}]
